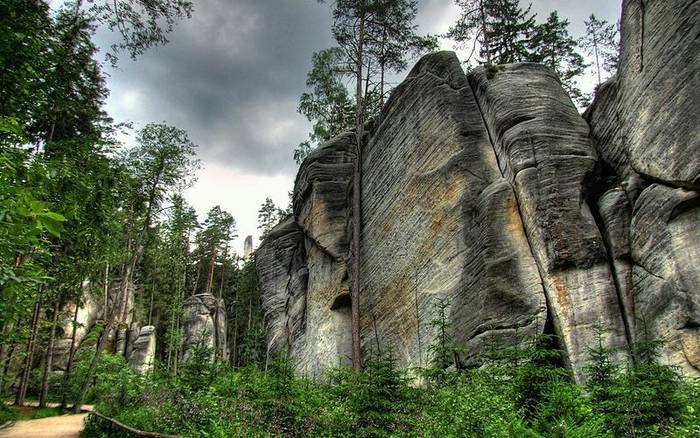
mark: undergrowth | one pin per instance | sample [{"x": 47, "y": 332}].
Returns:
[{"x": 518, "y": 392}]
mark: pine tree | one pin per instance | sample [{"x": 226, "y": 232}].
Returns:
[
  {"x": 600, "y": 41},
  {"x": 327, "y": 103},
  {"x": 471, "y": 27},
  {"x": 552, "y": 45},
  {"x": 268, "y": 216},
  {"x": 500, "y": 28},
  {"x": 392, "y": 38},
  {"x": 507, "y": 31}
]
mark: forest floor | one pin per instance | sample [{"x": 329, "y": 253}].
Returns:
[{"x": 60, "y": 426}]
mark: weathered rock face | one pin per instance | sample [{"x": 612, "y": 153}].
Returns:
[
  {"x": 657, "y": 89},
  {"x": 88, "y": 313},
  {"x": 441, "y": 222},
  {"x": 490, "y": 192},
  {"x": 544, "y": 150},
  {"x": 204, "y": 325},
  {"x": 644, "y": 123},
  {"x": 282, "y": 274},
  {"x": 143, "y": 350}
]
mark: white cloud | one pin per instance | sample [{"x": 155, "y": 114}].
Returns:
[{"x": 238, "y": 193}]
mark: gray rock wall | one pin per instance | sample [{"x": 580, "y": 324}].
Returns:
[
  {"x": 545, "y": 151},
  {"x": 142, "y": 351},
  {"x": 492, "y": 193},
  {"x": 204, "y": 325},
  {"x": 645, "y": 124},
  {"x": 88, "y": 313},
  {"x": 440, "y": 222}
]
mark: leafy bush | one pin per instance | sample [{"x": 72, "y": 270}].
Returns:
[{"x": 6, "y": 414}]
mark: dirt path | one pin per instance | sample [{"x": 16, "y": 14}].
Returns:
[{"x": 64, "y": 426}]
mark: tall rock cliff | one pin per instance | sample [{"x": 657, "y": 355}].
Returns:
[
  {"x": 644, "y": 123},
  {"x": 491, "y": 193}
]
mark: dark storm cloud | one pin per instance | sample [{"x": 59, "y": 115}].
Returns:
[{"x": 231, "y": 76}]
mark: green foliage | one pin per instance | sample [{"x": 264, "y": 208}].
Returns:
[
  {"x": 646, "y": 399},
  {"x": 443, "y": 351},
  {"x": 521, "y": 393},
  {"x": 601, "y": 41},
  {"x": 6, "y": 414},
  {"x": 141, "y": 23},
  {"x": 269, "y": 215},
  {"x": 551, "y": 44},
  {"x": 505, "y": 33}
]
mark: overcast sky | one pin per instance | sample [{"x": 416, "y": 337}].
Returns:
[{"x": 232, "y": 75}]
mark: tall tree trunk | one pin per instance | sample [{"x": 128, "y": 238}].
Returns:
[
  {"x": 196, "y": 279},
  {"x": 6, "y": 366},
  {"x": 105, "y": 289},
  {"x": 210, "y": 273},
  {"x": 219, "y": 300},
  {"x": 484, "y": 32},
  {"x": 234, "y": 360},
  {"x": 29, "y": 357},
  {"x": 356, "y": 198},
  {"x": 250, "y": 312},
  {"x": 123, "y": 295},
  {"x": 150, "y": 307},
  {"x": 595, "y": 50},
  {"x": 6, "y": 355},
  {"x": 382, "y": 65},
  {"x": 73, "y": 347},
  {"x": 43, "y": 394}
]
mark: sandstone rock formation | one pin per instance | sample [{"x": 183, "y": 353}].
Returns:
[
  {"x": 204, "y": 325},
  {"x": 143, "y": 350},
  {"x": 644, "y": 123},
  {"x": 88, "y": 313},
  {"x": 545, "y": 152},
  {"x": 491, "y": 192}
]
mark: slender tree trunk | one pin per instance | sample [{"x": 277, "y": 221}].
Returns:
[
  {"x": 105, "y": 290},
  {"x": 6, "y": 366},
  {"x": 6, "y": 330},
  {"x": 219, "y": 300},
  {"x": 196, "y": 279},
  {"x": 210, "y": 273},
  {"x": 43, "y": 394},
  {"x": 29, "y": 358},
  {"x": 73, "y": 347},
  {"x": 250, "y": 312},
  {"x": 597, "y": 63},
  {"x": 150, "y": 307},
  {"x": 234, "y": 360},
  {"x": 484, "y": 33},
  {"x": 382, "y": 65},
  {"x": 6, "y": 356},
  {"x": 357, "y": 200}
]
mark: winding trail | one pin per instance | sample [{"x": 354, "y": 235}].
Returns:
[{"x": 63, "y": 426}]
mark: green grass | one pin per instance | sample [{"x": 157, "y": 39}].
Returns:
[{"x": 30, "y": 413}]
